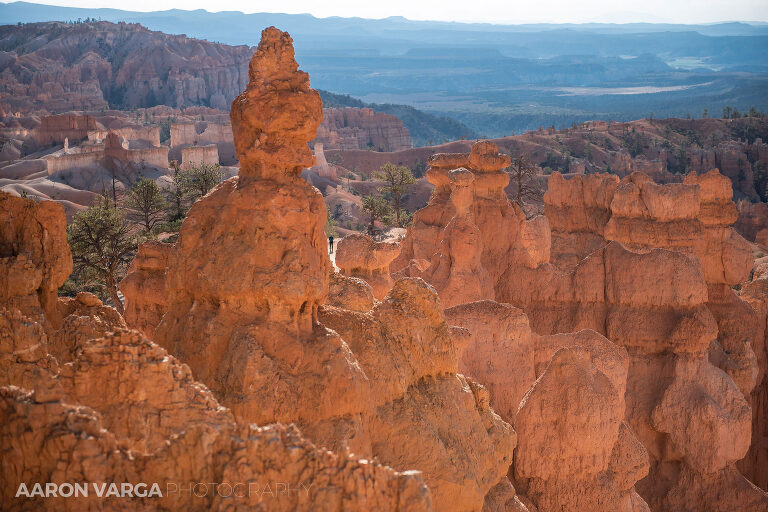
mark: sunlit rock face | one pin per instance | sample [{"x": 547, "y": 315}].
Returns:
[
  {"x": 243, "y": 313},
  {"x": 594, "y": 459},
  {"x": 358, "y": 255},
  {"x": 83, "y": 399},
  {"x": 651, "y": 268},
  {"x": 503, "y": 233},
  {"x": 144, "y": 287}
]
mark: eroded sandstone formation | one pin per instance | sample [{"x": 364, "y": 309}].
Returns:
[
  {"x": 694, "y": 218},
  {"x": 84, "y": 400},
  {"x": 456, "y": 270},
  {"x": 410, "y": 354},
  {"x": 358, "y": 255},
  {"x": 362, "y": 128},
  {"x": 505, "y": 233},
  {"x": 144, "y": 287},
  {"x": 655, "y": 305},
  {"x": 35, "y": 257},
  {"x": 755, "y": 464},
  {"x": 500, "y": 352},
  {"x": 752, "y": 222},
  {"x": 253, "y": 334},
  {"x": 156, "y": 424},
  {"x": 74, "y": 68},
  {"x": 627, "y": 367},
  {"x": 574, "y": 451},
  {"x": 237, "y": 330},
  {"x": 663, "y": 293}
]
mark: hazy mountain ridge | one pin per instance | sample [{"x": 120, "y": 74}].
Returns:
[
  {"x": 497, "y": 79},
  {"x": 425, "y": 129}
]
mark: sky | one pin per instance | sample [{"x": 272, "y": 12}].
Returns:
[{"x": 492, "y": 11}]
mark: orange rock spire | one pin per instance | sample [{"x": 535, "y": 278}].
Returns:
[{"x": 277, "y": 114}]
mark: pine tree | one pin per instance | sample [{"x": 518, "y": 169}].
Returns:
[
  {"x": 101, "y": 244},
  {"x": 145, "y": 204},
  {"x": 377, "y": 208},
  {"x": 396, "y": 180}
]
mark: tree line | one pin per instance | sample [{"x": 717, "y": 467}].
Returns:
[{"x": 104, "y": 237}]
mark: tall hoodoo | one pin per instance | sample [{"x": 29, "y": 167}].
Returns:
[
  {"x": 505, "y": 233},
  {"x": 277, "y": 114},
  {"x": 456, "y": 269},
  {"x": 245, "y": 283},
  {"x": 250, "y": 269}
]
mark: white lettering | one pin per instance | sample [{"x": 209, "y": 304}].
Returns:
[
  {"x": 22, "y": 490},
  {"x": 155, "y": 491},
  {"x": 66, "y": 490}
]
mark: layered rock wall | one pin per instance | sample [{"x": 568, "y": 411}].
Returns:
[
  {"x": 55, "y": 129},
  {"x": 504, "y": 232},
  {"x": 362, "y": 128},
  {"x": 358, "y": 255},
  {"x": 84, "y": 400},
  {"x": 197, "y": 155},
  {"x": 144, "y": 287},
  {"x": 752, "y": 222},
  {"x": 202, "y": 133},
  {"x": 594, "y": 460},
  {"x": 148, "y": 134},
  {"x": 669, "y": 308}
]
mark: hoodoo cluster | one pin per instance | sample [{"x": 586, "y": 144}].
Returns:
[{"x": 600, "y": 357}]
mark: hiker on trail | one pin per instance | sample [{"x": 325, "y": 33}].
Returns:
[{"x": 330, "y": 243}]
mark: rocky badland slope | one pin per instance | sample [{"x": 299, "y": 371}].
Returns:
[
  {"x": 87, "y": 66},
  {"x": 465, "y": 369}
]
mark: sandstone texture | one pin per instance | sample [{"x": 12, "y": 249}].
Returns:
[
  {"x": 649, "y": 266},
  {"x": 35, "y": 257},
  {"x": 75, "y": 68},
  {"x": 410, "y": 355},
  {"x": 574, "y": 450},
  {"x": 694, "y": 218},
  {"x": 144, "y": 287},
  {"x": 500, "y": 352},
  {"x": 608, "y": 355},
  {"x": 755, "y": 464},
  {"x": 350, "y": 293},
  {"x": 358, "y": 255},
  {"x": 752, "y": 222},
  {"x": 245, "y": 317},
  {"x": 158, "y": 425},
  {"x": 362, "y": 128},
  {"x": 504, "y": 232},
  {"x": 456, "y": 270},
  {"x": 83, "y": 399}
]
